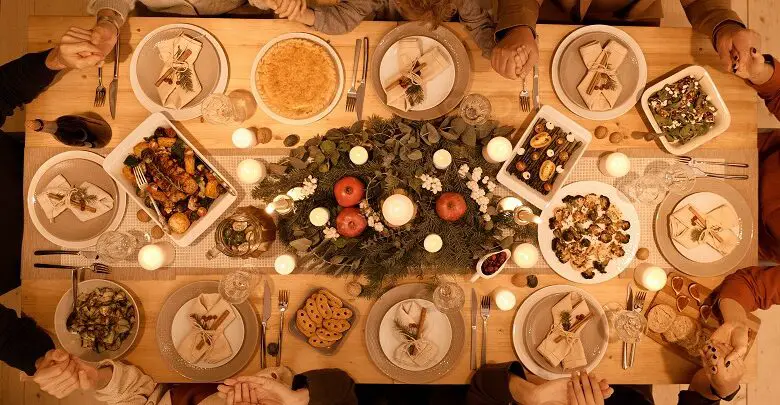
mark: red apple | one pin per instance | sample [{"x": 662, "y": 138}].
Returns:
[
  {"x": 451, "y": 207},
  {"x": 350, "y": 222},
  {"x": 349, "y": 191}
]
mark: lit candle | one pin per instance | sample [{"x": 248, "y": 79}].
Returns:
[
  {"x": 282, "y": 204},
  {"x": 497, "y": 150},
  {"x": 649, "y": 277},
  {"x": 433, "y": 243},
  {"x": 152, "y": 257},
  {"x": 398, "y": 210},
  {"x": 505, "y": 299},
  {"x": 319, "y": 216},
  {"x": 525, "y": 255},
  {"x": 509, "y": 203},
  {"x": 244, "y": 138},
  {"x": 615, "y": 164},
  {"x": 358, "y": 155},
  {"x": 442, "y": 159},
  {"x": 284, "y": 264},
  {"x": 250, "y": 171},
  {"x": 525, "y": 215}
]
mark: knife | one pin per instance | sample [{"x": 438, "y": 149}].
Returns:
[
  {"x": 474, "y": 305},
  {"x": 536, "y": 88},
  {"x": 629, "y": 306},
  {"x": 113, "y": 88},
  {"x": 361, "y": 91},
  {"x": 266, "y": 317}
]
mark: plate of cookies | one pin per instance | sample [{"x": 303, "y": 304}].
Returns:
[{"x": 323, "y": 321}]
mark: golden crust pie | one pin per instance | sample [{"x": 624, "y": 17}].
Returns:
[{"x": 297, "y": 78}]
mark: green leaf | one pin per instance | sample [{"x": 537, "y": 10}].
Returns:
[
  {"x": 340, "y": 242},
  {"x": 327, "y": 146},
  {"x": 449, "y": 135},
  {"x": 433, "y": 133},
  {"x": 277, "y": 168},
  {"x": 507, "y": 242},
  {"x": 505, "y": 130},
  {"x": 301, "y": 245},
  {"x": 356, "y": 127},
  {"x": 177, "y": 150},
  {"x": 298, "y": 152},
  {"x": 415, "y": 155},
  {"x": 344, "y": 146},
  {"x": 131, "y": 161},
  {"x": 319, "y": 158},
  {"x": 336, "y": 259},
  {"x": 469, "y": 137},
  {"x": 297, "y": 163},
  {"x": 312, "y": 142},
  {"x": 459, "y": 125},
  {"x": 334, "y": 134},
  {"x": 405, "y": 129},
  {"x": 324, "y": 168}
]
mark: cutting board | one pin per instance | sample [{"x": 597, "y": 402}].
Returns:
[{"x": 669, "y": 297}]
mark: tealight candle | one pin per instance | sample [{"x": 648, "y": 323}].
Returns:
[
  {"x": 284, "y": 264},
  {"x": 509, "y": 203},
  {"x": 442, "y": 159},
  {"x": 615, "y": 164},
  {"x": 505, "y": 299},
  {"x": 244, "y": 138},
  {"x": 497, "y": 150},
  {"x": 525, "y": 255},
  {"x": 649, "y": 277},
  {"x": 525, "y": 215},
  {"x": 319, "y": 216},
  {"x": 250, "y": 171},
  {"x": 433, "y": 243},
  {"x": 358, "y": 155},
  {"x": 152, "y": 257},
  {"x": 282, "y": 204},
  {"x": 398, "y": 210}
]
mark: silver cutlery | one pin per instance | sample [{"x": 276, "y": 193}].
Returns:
[
  {"x": 98, "y": 268},
  {"x": 140, "y": 180},
  {"x": 87, "y": 254},
  {"x": 629, "y": 306},
  {"x": 473, "y": 329},
  {"x": 352, "y": 92},
  {"x": 100, "y": 91},
  {"x": 74, "y": 280},
  {"x": 284, "y": 297},
  {"x": 693, "y": 161},
  {"x": 525, "y": 99},
  {"x": 701, "y": 173},
  {"x": 361, "y": 91},
  {"x": 536, "y": 88},
  {"x": 639, "y": 305},
  {"x": 264, "y": 321},
  {"x": 113, "y": 87},
  {"x": 485, "y": 313}
]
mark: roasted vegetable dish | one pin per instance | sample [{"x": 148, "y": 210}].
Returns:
[
  {"x": 683, "y": 110},
  {"x": 588, "y": 231},
  {"x": 181, "y": 184},
  {"x": 103, "y": 319}
]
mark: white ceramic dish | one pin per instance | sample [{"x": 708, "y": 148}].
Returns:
[
  {"x": 181, "y": 327},
  {"x": 115, "y": 161},
  {"x": 336, "y": 60},
  {"x": 478, "y": 269},
  {"x": 440, "y": 333},
  {"x": 704, "y": 203},
  {"x": 71, "y": 342},
  {"x": 527, "y": 192},
  {"x": 617, "y": 264},
  {"x": 722, "y": 118}
]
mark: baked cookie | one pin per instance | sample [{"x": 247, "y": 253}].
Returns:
[
  {"x": 660, "y": 318},
  {"x": 304, "y": 323},
  {"x": 342, "y": 313},
  {"x": 322, "y": 306},
  {"x": 336, "y": 325},
  {"x": 333, "y": 300},
  {"x": 311, "y": 310},
  {"x": 317, "y": 342},
  {"x": 325, "y": 334},
  {"x": 682, "y": 327}
]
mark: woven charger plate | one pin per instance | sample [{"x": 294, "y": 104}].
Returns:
[{"x": 186, "y": 369}]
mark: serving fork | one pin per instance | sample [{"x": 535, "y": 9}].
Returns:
[
  {"x": 100, "y": 91},
  {"x": 639, "y": 305},
  {"x": 140, "y": 180},
  {"x": 98, "y": 268},
  {"x": 692, "y": 161},
  {"x": 352, "y": 92},
  {"x": 284, "y": 297},
  {"x": 525, "y": 99},
  {"x": 485, "y": 313}
]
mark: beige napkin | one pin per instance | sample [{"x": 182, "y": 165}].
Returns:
[
  {"x": 435, "y": 62},
  {"x": 601, "y": 99},
  {"x": 175, "y": 95},
  {"x": 54, "y": 198},
  {"x": 568, "y": 350},
  {"x": 418, "y": 352},
  {"x": 217, "y": 347},
  {"x": 102, "y": 202},
  {"x": 717, "y": 233}
]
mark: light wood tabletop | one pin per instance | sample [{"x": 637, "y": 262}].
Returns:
[{"x": 665, "y": 49}]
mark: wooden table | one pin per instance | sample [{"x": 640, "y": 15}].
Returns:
[{"x": 665, "y": 49}]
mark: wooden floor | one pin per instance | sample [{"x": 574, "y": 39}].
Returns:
[{"x": 760, "y": 14}]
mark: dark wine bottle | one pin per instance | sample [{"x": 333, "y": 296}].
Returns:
[{"x": 75, "y": 130}]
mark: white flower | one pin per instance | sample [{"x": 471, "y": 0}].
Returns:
[
  {"x": 483, "y": 208},
  {"x": 486, "y": 217},
  {"x": 483, "y": 200},
  {"x": 370, "y": 221},
  {"x": 472, "y": 185},
  {"x": 379, "y": 227},
  {"x": 485, "y": 180},
  {"x": 330, "y": 233},
  {"x": 491, "y": 186}
]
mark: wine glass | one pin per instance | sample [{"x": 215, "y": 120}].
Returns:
[
  {"x": 115, "y": 246},
  {"x": 475, "y": 109},
  {"x": 448, "y": 297},
  {"x": 677, "y": 178},
  {"x": 629, "y": 326},
  {"x": 235, "y": 287},
  {"x": 224, "y": 109}
]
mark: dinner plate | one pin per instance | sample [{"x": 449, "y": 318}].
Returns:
[
  {"x": 437, "y": 324},
  {"x": 181, "y": 327},
  {"x": 211, "y": 68},
  {"x": 67, "y": 230},
  {"x": 165, "y": 343},
  {"x": 616, "y": 265},
  {"x": 461, "y": 67},
  {"x": 71, "y": 342},
  {"x": 704, "y": 202},
  {"x": 318, "y": 41},
  {"x": 437, "y": 89},
  {"x": 568, "y": 70},
  {"x": 723, "y": 264},
  {"x": 373, "y": 323}
]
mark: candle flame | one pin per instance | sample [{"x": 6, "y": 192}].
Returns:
[{"x": 270, "y": 208}]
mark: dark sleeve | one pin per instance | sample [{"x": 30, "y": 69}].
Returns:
[
  {"x": 706, "y": 16},
  {"x": 327, "y": 387},
  {"x": 490, "y": 384},
  {"x": 754, "y": 287},
  {"x": 687, "y": 397},
  {"x": 21, "y": 341},
  {"x": 770, "y": 91},
  {"x": 515, "y": 13},
  {"x": 21, "y": 80}
]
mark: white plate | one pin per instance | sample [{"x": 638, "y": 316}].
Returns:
[
  {"x": 704, "y": 202},
  {"x": 120, "y": 200},
  {"x": 440, "y": 333},
  {"x": 437, "y": 89},
  {"x": 632, "y": 89},
  {"x": 115, "y": 161},
  {"x": 518, "y": 331},
  {"x": 71, "y": 342},
  {"x": 191, "y": 110},
  {"x": 722, "y": 119},
  {"x": 181, "y": 327},
  {"x": 318, "y": 41},
  {"x": 616, "y": 265}
]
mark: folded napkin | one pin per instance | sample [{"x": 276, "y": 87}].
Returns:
[
  {"x": 601, "y": 88},
  {"x": 204, "y": 342},
  {"x": 716, "y": 229},
  {"x": 54, "y": 198},
  {"x": 416, "y": 350},
  {"x": 60, "y": 196},
  {"x": 182, "y": 85},
  {"x": 408, "y": 88},
  {"x": 568, "y": 351},
  {"x": 99, "y": 200}
]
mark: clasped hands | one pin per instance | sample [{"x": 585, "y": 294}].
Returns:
[
  {"x": 260, "y": 390},
  {"x": 59, "y": 374},
  {"x": 80, "y": 48}
]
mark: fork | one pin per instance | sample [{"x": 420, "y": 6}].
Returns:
[
  {"x": 98, "y": 268},
  {"x": 352, "y": 92},
  {"x": 284, "y": 296},
  {"x": 140, "y": 179},
  {"x": 100, "y": 92},
  {"x": 639, "y": 304},
  {"x": 525, "y": 100},
  {"x": 485, "y": 313},
  {"x": 691, "y": 161}
]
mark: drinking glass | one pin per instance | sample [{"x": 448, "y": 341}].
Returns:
[
  {"x": 448, "y": 297},
  {"x": 611, "y": 310},
  {"x": 677, "y": 178},
  {"x": 225, "y": 109},
  {"x": 115, "y": 246},
  {"x": 235, "y": 287},
  {"x": 629, "y": 326},
  {"x": 475, "y": 109},
  {"x": 647, "y": 188}
]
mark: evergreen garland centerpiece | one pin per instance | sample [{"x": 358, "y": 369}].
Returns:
[{"x": 456, "y": 203}]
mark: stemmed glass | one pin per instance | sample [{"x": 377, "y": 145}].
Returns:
[
  {"x": 235, "y": 287},
  {"x": 655, "y": 182},
  {"x": 230, "y": 108},
  {"x": 115, "y": 246},
  {"x": 475, "y": 109},
  {"x": 448, "y": 296}
]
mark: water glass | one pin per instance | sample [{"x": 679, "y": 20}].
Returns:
[
  {"x": 235, "y": 287},
  {"x": 225, "y": 109},
  {"x": 448, "y": 297},
  {"x": 115, "y": 246},
  {"x": 475, "y": 109},
  {"x": 629, "y": 326},
  {"x": 679, "y": 178}
]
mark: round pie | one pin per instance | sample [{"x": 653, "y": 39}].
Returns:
[{"x": 660, "y": 318}]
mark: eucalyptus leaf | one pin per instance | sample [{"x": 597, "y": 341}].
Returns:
[
  {"x": 276, "y": 168},
  {"x": 337, "y": 259},
  {"x": 334, "y": 134},
  {"x": 405, "y": 129},
  {"x": 328, "y": 146},
  {"x": 459, "y": 125},
  {"x": 319, "y": 158},
  {"x": 297, "y": 163},
  {"x": 446, "y": 121},
  {"x": 344, "y": 146},
  {"x": 449, "y": 135},
  {"x": 488, "y": 226},
  {"x": 324, "y": 168},
  {"x": 356, "y": 127},
  {"x": 301, "y": 244},
  {"x": 507, "y": 242},
  {"x": 505, "y": 130},
  {"x": 299, "y": 152},
  {"x": 469, "y": 137},
  {"x": 312, "y": 141},
  {"x": 433, "y": 134},
  {"x": 415, "y": 155}
]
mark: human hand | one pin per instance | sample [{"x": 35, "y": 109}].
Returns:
[
  {"x": 294, "y": 10},
  {"x": 104, "y": 36},
  {"x": 262, "y": 390},
  {"x": 583, "y": 389},
  {"x": 734, "y": 45},
  {"x": 515, "y": 55},
  {"x": 724, "y": 375},
  {"x": 56, "y": 374},
  {"x": 735, "y": 335},
  {"x": 75, "y": 51}
]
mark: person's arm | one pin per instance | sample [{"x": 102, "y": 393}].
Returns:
[
  {"x": 766, "y": 81},
  {"x": 119, "y": 383},
  {"x": 22, "y": 342},
  {"x": 479, "y": 24},
  {"x": 104, "y": 8},
  {"x": 327, "y": 387},
  {"x": 21, "y": 80},
  {"x": 516, "y": 13},
  {"x": 752, "y": 288},
  {"x": 708, "y": 16},
  {"x": 340, "y": 18}
]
